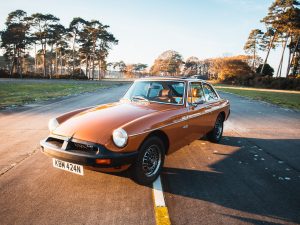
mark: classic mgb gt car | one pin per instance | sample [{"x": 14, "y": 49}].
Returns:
[{"x": 155, "y": 117}]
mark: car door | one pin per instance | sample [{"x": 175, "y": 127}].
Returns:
[
  {"x": 213, "y": 102},
  {"x": 198, "y": 112},
  {"x": 177, "y": 121}
]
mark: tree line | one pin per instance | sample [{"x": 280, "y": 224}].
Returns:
[
  {"x": 282, "y": 29},
  {"x": 86, "y": 44},
  {"x": 56, "y": 47},
  {"x": 282, "y": 24},
  {"x": 130, "y": 70},
  {"x": 171, "y": 63},
  {"x": 230, "y": 69}
]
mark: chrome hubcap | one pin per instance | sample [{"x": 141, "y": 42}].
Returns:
[{"x": 151, "y": 160}]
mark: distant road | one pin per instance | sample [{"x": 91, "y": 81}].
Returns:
[
  {"x": 251, "y": 177},
  {"x": 260, "y": 89},
  {"x": 64, "y": 80}
]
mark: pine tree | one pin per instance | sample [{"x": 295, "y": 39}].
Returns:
[
  {"x": 252, "y": 45},
  {"x": 15, "y": 39},
  {"x": 41, "y": 30}
]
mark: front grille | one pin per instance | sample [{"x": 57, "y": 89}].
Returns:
[
  {"x": 73, "y": 146},
  {"x": 82, "y": 147},
  {"x": 56, "y": 142}
]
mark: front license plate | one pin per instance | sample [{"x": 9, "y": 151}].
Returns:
[{"x": 71, "y": 167}]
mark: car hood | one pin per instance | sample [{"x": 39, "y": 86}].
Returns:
[{"x": 97, "y": 124}]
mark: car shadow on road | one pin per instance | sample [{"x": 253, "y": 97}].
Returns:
[
  {"x": 241, "y": 177},
  {"x": 246, "y": 179}
]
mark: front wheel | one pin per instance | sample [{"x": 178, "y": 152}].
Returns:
[
  {"x": 216, "y": 134},
  {"x": 149, "y": 162}
]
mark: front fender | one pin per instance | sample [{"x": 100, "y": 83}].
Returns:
[{"x": 140, "y": 128}]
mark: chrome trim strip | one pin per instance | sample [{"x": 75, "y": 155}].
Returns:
[
  {"x": 187, "y": 95},
  {"x": 182, "y": 119},
  {"x": 64, "y": 138},
  {"x": 167, "y": 103},
  {"x": 199, "y": 114},
  {"x": 175, "y": 122}
]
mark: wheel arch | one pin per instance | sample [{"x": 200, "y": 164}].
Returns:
[{"x": 163, "y": 136}]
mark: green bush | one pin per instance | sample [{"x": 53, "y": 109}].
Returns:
[
  {"x": 78, "y": 74},
  {"x": 259, "y": 81},
  {"x": 3, "y": 74},
  {"x": 268, "y": 70},
  {"x": 268, "y": 82}
]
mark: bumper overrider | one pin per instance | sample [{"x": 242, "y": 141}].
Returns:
[{"x": 84, "y": 153}]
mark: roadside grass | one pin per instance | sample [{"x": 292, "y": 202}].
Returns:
[
  {"x": 17, "y": 93},
  {"x": 283, "y": 99}
]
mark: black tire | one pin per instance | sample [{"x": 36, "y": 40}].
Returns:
[
  {"x": 141, "y": 170},
  {"x": 215, "y": 135}
]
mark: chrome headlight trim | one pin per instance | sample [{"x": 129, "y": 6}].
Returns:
[
  {"x": 120, "y": 137},
  {"x": 53, "y": 124}
]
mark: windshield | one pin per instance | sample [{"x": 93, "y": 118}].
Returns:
[{"x": 168, "y": 92}]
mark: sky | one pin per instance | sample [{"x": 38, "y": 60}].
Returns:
[{"x": 146, "y": 28}]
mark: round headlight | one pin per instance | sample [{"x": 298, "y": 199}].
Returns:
[
  {"x": 53, "y": 124},
  {"x": 120, "y": 137}
]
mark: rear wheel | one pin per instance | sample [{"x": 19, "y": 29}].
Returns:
[
  {"x": 216, "y": 134},
  {"x": 149, "y": 162}
]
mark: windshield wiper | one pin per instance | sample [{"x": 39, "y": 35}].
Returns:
[{"x": 138, "y": 97}]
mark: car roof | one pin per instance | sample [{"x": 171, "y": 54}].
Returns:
[{"x": 171, "y": 78}]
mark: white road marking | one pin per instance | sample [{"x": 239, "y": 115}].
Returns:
[
  {"x": 161, "y": 211},
  {"x": 158, "y": 194}
]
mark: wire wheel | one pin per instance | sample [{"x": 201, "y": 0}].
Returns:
[{"x": 151, "y": 160}]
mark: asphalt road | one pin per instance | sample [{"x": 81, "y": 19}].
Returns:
[{"x": 251, "y": 177}]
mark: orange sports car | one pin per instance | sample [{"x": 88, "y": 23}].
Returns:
[{"x": 155, "y": 117}]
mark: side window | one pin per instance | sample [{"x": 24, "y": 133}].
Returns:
[
  {"x": 178, "y": 91},
  {"x": 196, "y": 93},
  {"x": 209, "y": 92}
]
